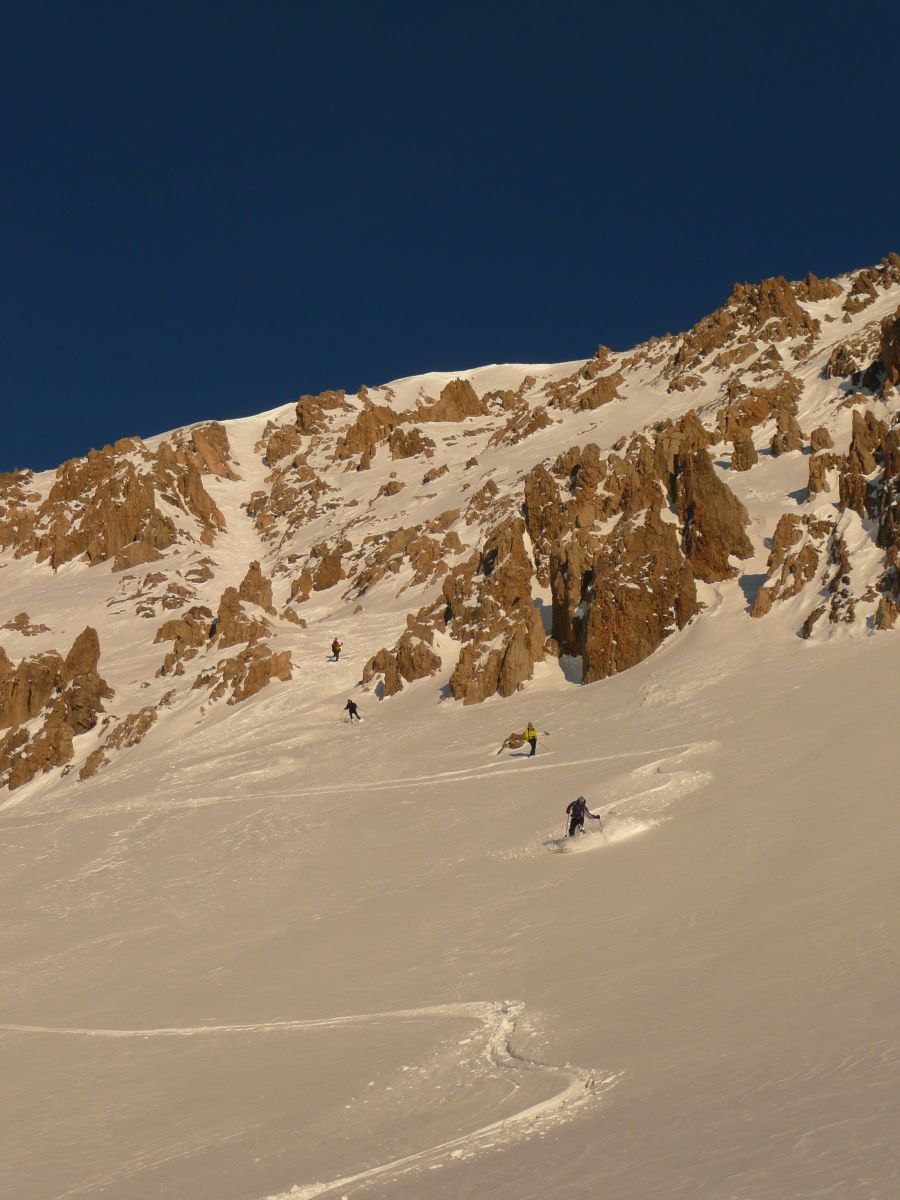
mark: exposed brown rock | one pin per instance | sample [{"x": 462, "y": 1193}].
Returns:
[
  {"x": 890, "y": 348},
  {"x": 813, "y": 288},
  {"x": 210, "y": 450},
  {"x": 743, "y": 455},
  {"x": 282, "y": 441},
  {"x": 69, "y": 692},
  {"x": 50, "y": 747},
  {"x": 246, "y": 674},
  {"x": 489, "y": 607},
  {"x": 868, "y": 434},
  {"x": 25, "y": 690},
  {"x": 391, "y": 488},
  {"x": 328, "y": 569},
  {"x": 572, "y": 394},
  {"x": 819, "y": 466},
  {"x": 255, "y": 588},
  {"x": 294, "y": 499},
  {"x": 886, "y": 614},
  {"x": 200, "y": 571},
  {"x": 458, "y": 400},
  {"x": 426, "y": 548},
  {"x": 411, "y": 659},
  {"x": 862, "y": 292},
  {"x": 713, "y": 518},
  {"x": 22, "y": 623},
  {"x": 794, "y": 559},
  {"x": 820, "y": 439},
  {"x": 128, "y": 732},
  {"x": 768, "y": 309},
  {"x": 407, "y": 443},
  {"x": 640, "y": 590},
  {"x": 301, "y": 587},
  {"x": 435, "y": 473},
  {"x": 788, "y": 435},
  {"x": 522, "y": 423},
  {"x": 233, "y": 625},
  {"x": 372, "y": 427},
  {"x": 311, "y": 410},
  {"x": 188, "y": 634}
]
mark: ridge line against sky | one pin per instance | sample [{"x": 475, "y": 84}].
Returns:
[{"x": 208, "y": 211}]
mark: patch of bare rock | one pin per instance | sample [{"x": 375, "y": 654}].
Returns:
[{"x": 45, "y": 703}]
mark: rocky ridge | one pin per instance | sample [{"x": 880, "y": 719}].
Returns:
[{"x": 483, "y": 525}]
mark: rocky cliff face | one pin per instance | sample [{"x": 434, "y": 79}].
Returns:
[
  {"x": 46, "y": 701},
  {"x": 464, "y": 531}
]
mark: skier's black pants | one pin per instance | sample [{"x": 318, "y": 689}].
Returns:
[
  {"x": 575, "y": 824},
  {"x": 533, "y": 744}
]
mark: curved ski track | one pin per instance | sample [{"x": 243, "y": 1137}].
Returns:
[{"x": 580, "y": 1087}]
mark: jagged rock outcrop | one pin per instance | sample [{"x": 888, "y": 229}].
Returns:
[
  {"x": 232, "y": 625},
  {"x": 768, "y": 309},
  {"x": 391, "y": 488},
  {"x": 435, "y": 473},
  {"x": 412, "y": 658},
  {"x": 26, "y": 689},
  {"x": 107, "y": 504},
  {"x": 125, "y": 734},
  {"x": 713, "y": 519},
  {"x": 188, "y": 633},
  {"x": 458, "y": 400},
  {"x": 868, "y": 435},
  {"x": 372, "y": 427},
  {"x": 639, "y": 590},
  {"x": 486, "y": 604},
  {"x": 743, "y": 454},
  {"x": 207, "y": 448},
  {"x": 587, "y": 389},
  {"x": 812, "y": 288},
  {"x": 328, "y": 564},
  {"x": 522, "y": 423},
  {"x": 281, "y": 441},
  {"x": 68, "y": 692},
  {"x": 489, "y": 608},
  {"x": 425, "y": 548},
  {"x": 890, "y": 349},
  {"x": 788, "y": 435},
  {"x": 794, "y": 559},
  {"x": 294, "y": 498},
  {"x": 22, "y": 623},
  {"x": 820, "y": 465},
  {"x": 255, "y": 588},
  {"x": 820, "y": 439},
  {"x": 408, "y": 443},
  {"x": 311, "y": 410},
  {"x": 750, "y": 407},
  {"x": 245, "y": 674}
]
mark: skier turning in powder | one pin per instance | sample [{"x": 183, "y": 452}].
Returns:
[{"x": 576, "y": 812}]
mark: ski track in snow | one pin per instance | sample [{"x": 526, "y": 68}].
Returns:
[
  {"x": 581, "y": 1087},
  {"x": 435, "y": 779},
  {"x": 646, "y": 805}
]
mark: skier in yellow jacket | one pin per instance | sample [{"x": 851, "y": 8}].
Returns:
[{"x": 530, "y": 736}]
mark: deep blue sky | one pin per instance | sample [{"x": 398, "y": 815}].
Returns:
[{"x": 207, "y": 209}]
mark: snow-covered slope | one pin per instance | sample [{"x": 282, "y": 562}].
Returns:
[{"x": 262, "y": 952}]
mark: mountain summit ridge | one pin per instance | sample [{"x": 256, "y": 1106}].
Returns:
[{"x": 469, "y": 527}]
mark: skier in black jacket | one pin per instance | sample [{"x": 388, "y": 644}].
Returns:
[
  {"x": 577, "y": 811},
  {"x": 351, "y": 708}
]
